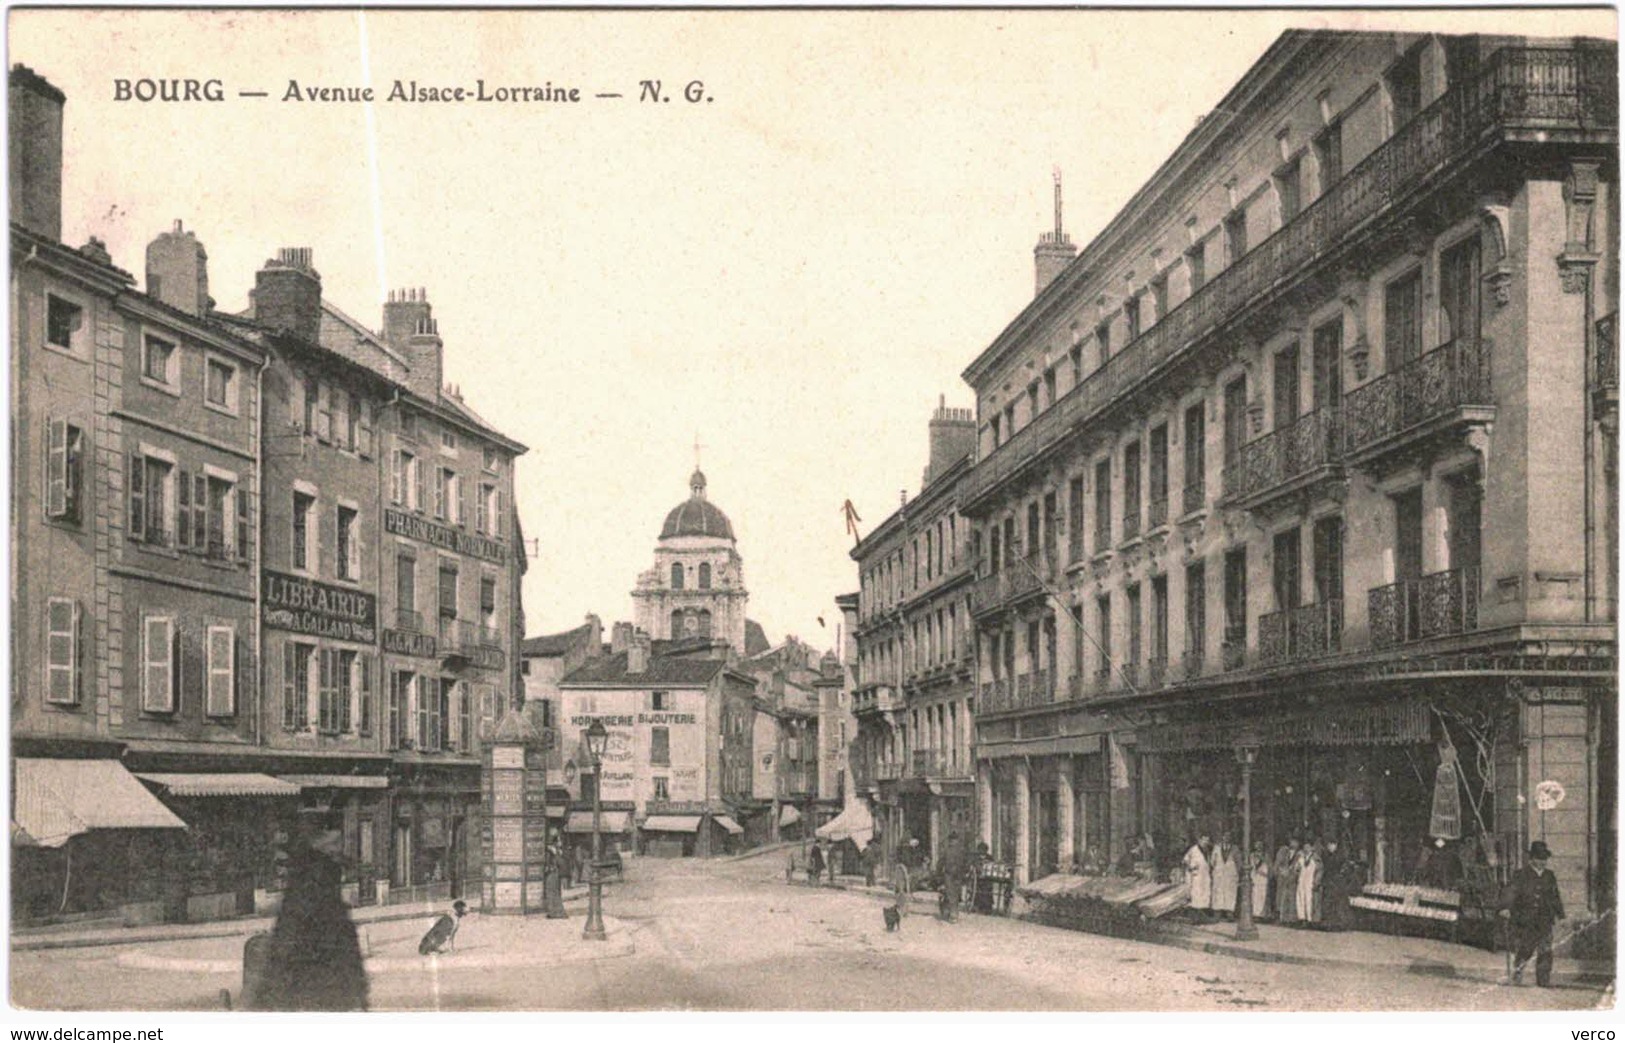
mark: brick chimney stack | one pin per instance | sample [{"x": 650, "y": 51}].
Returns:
[
  {"x": 1054, "y": 250},
  {"x": 953, "y": 437},
  {"x": 35, "y": 117},
  {"x": 620, "y": 637},
  {"x": 178, "y": 271},
  {"x": 288, "y": 294},
  {"x": 637, "y": 653},
  {"x": 410, "y": 328}
]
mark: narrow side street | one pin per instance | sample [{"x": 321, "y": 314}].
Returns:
[{"x": 714, "y": 935}]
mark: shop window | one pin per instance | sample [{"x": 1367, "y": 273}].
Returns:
[
  {"x": 63, "y": 666},
  {"x": 660, "y": 745}
]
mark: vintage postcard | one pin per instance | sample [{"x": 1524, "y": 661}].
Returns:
[{"x": 813, "y": 510}]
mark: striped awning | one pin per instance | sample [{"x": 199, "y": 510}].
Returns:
[
  {"x": 220, "y": 784},
  {"x": 788, "y": 815},
  {"x": 728, "y": 824},
  {"x": 59, "y": 799},
  {"x": 337, "y": 781},
  {"x": 671, "y": 823}
]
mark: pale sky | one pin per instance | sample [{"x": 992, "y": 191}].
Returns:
[{"x": 793, "y": 270}]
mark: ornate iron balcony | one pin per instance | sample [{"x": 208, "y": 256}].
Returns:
[
  {"x": 1274, "y": 462},
  {"x": 1535, "y": 90},
  {"x": 1234, "y": 650},
  {"x": 1018, "y": 579},
  {"x": 1300, "y": 633},
  {"x": 1423, "y": 391},
  {"x": 1435, "y": 605},
  {"x": 1195, "y": 495},
  {"x": 1157, "y": 512}
]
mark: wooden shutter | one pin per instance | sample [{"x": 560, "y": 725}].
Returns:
[
  {"x": 138, "y": 498},
  {"x": 290, "y": 686},
  {"x": 62, "y": 651},
  {"x": 324, "y": 413},
  {"x": 482, "y": 510},
  {"x": 420, "y": 473},
  {"x": 364, "y": 429},
  {"x": 183, "y": 511},
  {"x": 344, "y": 680},
  {"x": 394, "y": 710},
  {"x": 200, "y": 511},
  {"x": 158, "y": 664},
  {"x": 220, "y": 700},
  {"x": 364, "y": 694},
  {"x": 244, "y": 535},
  {"x": 397, "y": 477},
  {"x": 496, "y": 513},
  {"x": 56, "y": 468}
]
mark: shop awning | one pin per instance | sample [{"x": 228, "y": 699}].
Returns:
[
  {"x": 220, "y": 784},
  {"x": 671, "y": 823},
  {"x": 855, "y": 822},
  {"x": 59, "y": 799},
  {"x": 1043, "y": 746},
  {"x": 788, "y": 815},
  {"x": 337, "y": 781},
  {"x": 727, "y": 823},
  {"x": 613, "y": 822}
]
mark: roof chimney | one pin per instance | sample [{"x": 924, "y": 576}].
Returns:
[
  {"x": 1054, "y": 250},
  {"x": 953, "y": 437},
  {"x": 178, "y": 271},
  {"x": 35, "y": 116},
  {"x": 620, "y": 637},
  {"x": 410, "y": 328},
  {"x": 288, "y": 294},
  {"x": 637, "y": 653}
]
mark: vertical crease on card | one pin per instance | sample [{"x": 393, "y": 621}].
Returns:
[{"x": 372, "y": 158}]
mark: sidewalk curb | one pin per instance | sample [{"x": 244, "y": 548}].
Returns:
[{"x": 159, "y": 933}]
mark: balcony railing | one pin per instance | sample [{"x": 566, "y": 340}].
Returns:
[
  {"x": 1074, "y": 546},
  {"x": 1434, "y": 605},
  {"x": 1448, "y": 378},
  {"x": 1233, "y": 650},
  {"x": 1300, "y": 633},
  {"x": 1156, "y": 671},
  {"x": 1539, "y": 89},
  {"x": 888, "y": 770},
  {"x": 994, "y": 697},
  {"x": 1016, "y": 580},
  {"x": 1194, "y": 662},
  {"x": 933, "y": 763},
  {"x": 1131, "y": 521},
  {"x": 1157, "y": 512},
  {"x": 1285, "y": 455},
  {"x": 1074, "y": 687}
]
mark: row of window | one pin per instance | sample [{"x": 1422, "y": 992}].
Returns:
[
  {"x": 448, "y": 576},
  {"x": 338, "y": 417},
  {"x": 436, "y": 714},
  {"x": 197, "y": 511},
  {"x": 447, "y": 498},
  {"x": 1403, "y": 89},
  {"x": 932, "y": 640},
  {"x": 176, "y": 664},
  {"x": 930, "y": 556},
  {"x": 336, "y": 683},
  {"x": 678, "y": 576}
]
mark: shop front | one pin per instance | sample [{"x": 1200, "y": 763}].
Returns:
[{"x": 435, "y": 814}]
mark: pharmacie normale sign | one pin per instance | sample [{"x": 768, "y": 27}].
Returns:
[{"x": 305, "y": 606}]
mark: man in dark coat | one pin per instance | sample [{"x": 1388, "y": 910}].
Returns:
[
  {"x": 815, "y": 863},
  {"x": 1532, "y": 907},
  {"x": 312, "y": 958}
]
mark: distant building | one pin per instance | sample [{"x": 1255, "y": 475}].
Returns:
[{"x": 697, "y": 585}]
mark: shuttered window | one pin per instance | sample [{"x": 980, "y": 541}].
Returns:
[
  {"x": 244, "y": 532},
  {"x": 64, "y": 470},
  {"x": 62, "y": 652},
  {"x": 160, "y": 650},
  {"x": 296, "y": 667},
  {"x": 364, "y": 695},
  {"x": 183, "y": 512},
  {"x": 220, "y": 698}
]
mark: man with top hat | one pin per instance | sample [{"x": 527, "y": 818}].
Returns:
[{"x": 1532, "y": 906}]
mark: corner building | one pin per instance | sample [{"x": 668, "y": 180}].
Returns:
[{"x": 1312, "y": 450}]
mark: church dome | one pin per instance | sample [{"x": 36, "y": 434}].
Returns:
[{"x": 696, "y": 516}]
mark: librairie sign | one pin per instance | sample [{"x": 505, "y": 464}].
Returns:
[
  {"x": 306, "y": 606},
  {"x": 399, "y": 523}
]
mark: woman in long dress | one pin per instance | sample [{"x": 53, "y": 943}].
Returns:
[
  {"x": 1199, "y": 875},
  {"x": 1309, "y": 883},
  {"x": 1286, "y": 881},
  {"x": 1225, "y": 879},
  {"x": 1259, "y": 874}
]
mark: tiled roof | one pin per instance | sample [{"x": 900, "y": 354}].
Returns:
[
  {"x": 556, "y": 644},
  {"x": 663, "y": 670}
]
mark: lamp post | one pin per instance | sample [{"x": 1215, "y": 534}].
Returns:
[
  {"x": 597, "y": 737},
  {"x": 1247, "y": 745}
]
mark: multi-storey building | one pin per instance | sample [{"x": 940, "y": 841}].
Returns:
[
  {"x": 135, "y": 480},
  {"x": 226, "y": 507},
  {"x": 1309, "y": 454},
  {"x": 914, "y": 654}
]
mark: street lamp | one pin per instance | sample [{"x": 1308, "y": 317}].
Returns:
[
  {"x": 597, "y": 737},
  {"x": 1247, "y": 744}
]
